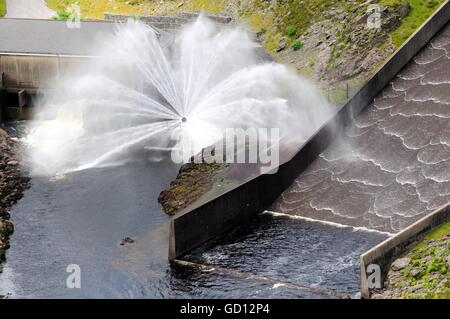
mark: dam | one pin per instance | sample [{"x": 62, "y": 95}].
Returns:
[
  {"x": 107, "y": 219},
  {"x": 393, "y": 163}
]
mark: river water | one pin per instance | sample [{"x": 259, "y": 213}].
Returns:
[{"x": 82, "y": 219}]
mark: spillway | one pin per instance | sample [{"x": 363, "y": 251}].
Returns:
[{"x": 392, "y": 166}]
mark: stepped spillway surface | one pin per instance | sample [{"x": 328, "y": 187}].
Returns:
[{"x": 392, "y": 166}]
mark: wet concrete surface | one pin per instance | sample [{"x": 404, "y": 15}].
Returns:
[{"x": 392, "y": 166}]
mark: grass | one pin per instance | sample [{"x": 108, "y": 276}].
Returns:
[
  {"x": 289, "y": 18},
  {"x": 96, "y": 9},
  {"x": 292, "y": 30},
  {"x": 2, "y": 8},
  {"x": 437, "y": 264},
  {"x": 420, "y": 11},
  {"x": 439, "y": 232}
]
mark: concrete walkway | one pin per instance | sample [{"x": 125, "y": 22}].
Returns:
[{"x": 31, "y": 9}]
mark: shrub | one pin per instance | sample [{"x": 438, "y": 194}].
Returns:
[
  {"x": 292, "y": 30},
  {"x": 2, "y": 8},
  {"x": 297, "y": 45},
  {"x": 61, "y": 15},
  {"x": 432, "y": 3}
]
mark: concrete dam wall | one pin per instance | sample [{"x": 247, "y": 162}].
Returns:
[{"x": 33, "y": 53}]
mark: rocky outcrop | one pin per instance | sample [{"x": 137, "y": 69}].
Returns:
[
  {"x": 193, "y": 180},
  {"x": 12, "y": 186}
]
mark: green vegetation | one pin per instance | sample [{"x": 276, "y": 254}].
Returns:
[
  {"x": 193, "y": 181},
  {"x": 291, "y": 30},
  {"x": 297, "y": 45},
  {"x": 420, "y": 11},
  {"x": 61, "y": 15},
  {"x": 440, "y": 232},
  {"x": 291, "y": 17},
  {"x": 428, "y": 274},
  {"x": 2, "y": 8},
  {"x": 96, "y": 9}
]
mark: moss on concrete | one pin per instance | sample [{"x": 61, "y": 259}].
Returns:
[{"x": 192, "y": 182}]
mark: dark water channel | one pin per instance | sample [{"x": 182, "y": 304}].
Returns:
[{"x": 82, "y": 219}]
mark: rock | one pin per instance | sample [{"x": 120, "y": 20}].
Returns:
[
  {"x": 126, "y": 240},
  {"x": 6, "y": 227},
  {"x": 13, "y": 163},
  {"x": 400, "y": 263},
  {"x": 448, "y": 260},
  {"x": 403, "y": 10},
  {"x": 260, "y": 37},
  {"x": 282, "y": 44},
  {"x": 415, "y": 272}
]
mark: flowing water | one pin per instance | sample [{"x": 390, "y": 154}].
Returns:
[
  {"x": 82, "y": 218},
  {"x": 143, "y": 94},
  {"x": 393, "y": 166}
]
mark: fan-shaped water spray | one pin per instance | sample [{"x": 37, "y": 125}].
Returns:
[{"x": 139, "y": 96}]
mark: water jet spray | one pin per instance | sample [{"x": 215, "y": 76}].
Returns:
[{"x": 132, "y": 99}]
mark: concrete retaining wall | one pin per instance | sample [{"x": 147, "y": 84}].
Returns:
[
  {"x": 167, "y": 23},
  {"x": 201, "y": 222},
  {"x": 26, "y": 76},
  {"x": 33, "y": 72},
  {"x": 388, "y": 251}
]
